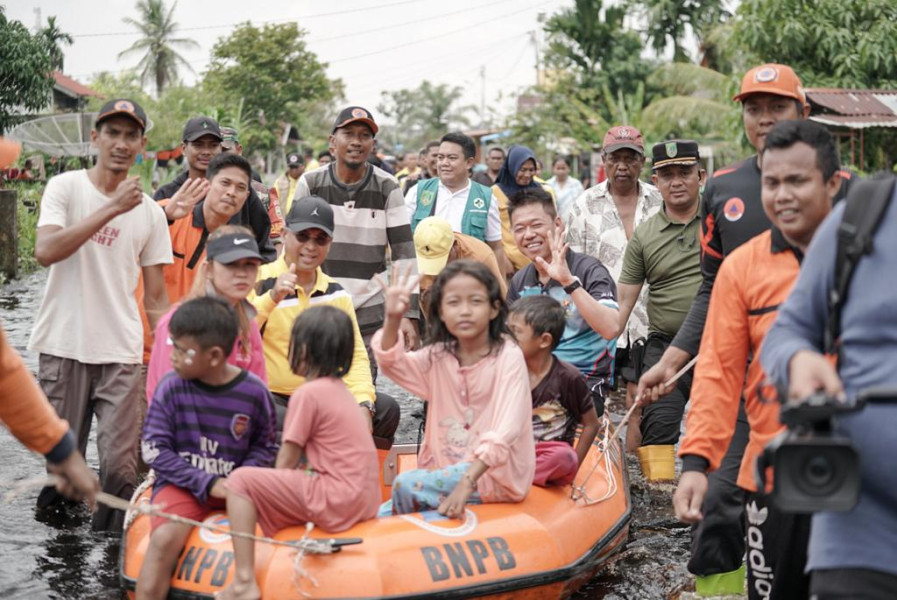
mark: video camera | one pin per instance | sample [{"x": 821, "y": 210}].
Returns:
[{"x": 813, "y": 468}]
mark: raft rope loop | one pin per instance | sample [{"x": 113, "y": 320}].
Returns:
[
  {"x": 607, "y": 446},
  {"x": 607, "y": 457}
]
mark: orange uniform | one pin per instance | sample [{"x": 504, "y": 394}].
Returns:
[
  {"x": 751, "y": 284},
  {"x": 25, "y": 410}
]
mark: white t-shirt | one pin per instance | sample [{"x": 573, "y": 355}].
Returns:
[
  {"x": 89, "y": 311},
  {"x": 450, "y": 206}
]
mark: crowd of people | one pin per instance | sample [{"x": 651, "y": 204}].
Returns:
[{"x": 513, "y": 305}]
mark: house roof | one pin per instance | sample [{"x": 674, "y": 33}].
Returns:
[
  {"x": 854, "y": 109},
  {"x": 67, "y": 85}
]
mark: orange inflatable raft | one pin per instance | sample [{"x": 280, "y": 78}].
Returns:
[{"x": 544, "y": 547}]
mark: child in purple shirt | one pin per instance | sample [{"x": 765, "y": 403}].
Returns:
[{"x": 206, "y": 419}]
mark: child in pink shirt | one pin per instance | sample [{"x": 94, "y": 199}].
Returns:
[
  {"x": 478, "y": 445},
  {"x": 229, "y": 271},
  {"x": 326, "y": 470}
]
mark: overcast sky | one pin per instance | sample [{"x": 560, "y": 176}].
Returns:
[{"x": 372, "y": 45}]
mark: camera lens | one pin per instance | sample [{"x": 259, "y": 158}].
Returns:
[{"x": 818, "y": 471}]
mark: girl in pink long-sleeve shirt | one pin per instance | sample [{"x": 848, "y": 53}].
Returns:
[
  {"x": 229, "y": 271},
  {"x": 478, "y": 445}
]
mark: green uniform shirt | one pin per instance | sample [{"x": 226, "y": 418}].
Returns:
[{"x": 668, "y": 256}]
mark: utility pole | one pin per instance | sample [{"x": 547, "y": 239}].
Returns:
[
  {"x": 37, "y": 20},
  {"x": 482, "y": 96},
  {"x": 535, "y": 40}
]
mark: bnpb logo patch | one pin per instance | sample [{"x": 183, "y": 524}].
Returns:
[
  {"x": 766, "y": 74},
  {"x": 734, "y": 209},
  {"x": 124, "y": 105},
  {"x": 360, "y": 113}
]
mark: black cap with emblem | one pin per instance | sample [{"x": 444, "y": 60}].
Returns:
[
  {"x": 310, "y": 212},
  {"x": 675, "y": 152},
  {"x": 122, "y": 107},
  {"x": 355, "y": 114},
  {"x": 200, "y": 126}
]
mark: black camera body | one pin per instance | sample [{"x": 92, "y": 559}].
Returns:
[{"x": 813, "y": 469}]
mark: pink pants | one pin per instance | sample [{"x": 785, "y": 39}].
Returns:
[{"x": 556, "y": 464}]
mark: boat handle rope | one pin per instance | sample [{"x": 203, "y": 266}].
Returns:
[
  {"x": 306, "y": 544},
  {"x": 578, "y": 492}
]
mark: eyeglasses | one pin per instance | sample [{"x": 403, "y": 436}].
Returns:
[
  {"x": 303, "y": 237},
  {"x": 189, "y": 353}
]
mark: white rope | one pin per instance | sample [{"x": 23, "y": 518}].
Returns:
[
  {"x": 305, "y": 544},
  {"x": 607, "y": 446}
]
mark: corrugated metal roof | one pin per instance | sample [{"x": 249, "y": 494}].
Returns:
[
  {"x": 857, "y": 109},
  {"x": 856, "y": 122}
]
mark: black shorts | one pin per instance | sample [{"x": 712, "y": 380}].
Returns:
[{"x": 624, "y": 371}]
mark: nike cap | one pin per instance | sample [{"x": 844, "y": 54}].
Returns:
[
  {"x": 310, "y": 212},
  {"x": 231, "y": 247},
  {"x": 772, "y": 78}
]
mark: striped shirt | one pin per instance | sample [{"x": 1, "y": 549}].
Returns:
[
  {"x": 369, "y": 216},
  {"x": 195, "y": 432}
]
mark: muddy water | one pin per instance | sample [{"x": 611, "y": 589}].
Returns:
[{"x": 48, "y": 556}]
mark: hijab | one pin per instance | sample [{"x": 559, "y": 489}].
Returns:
[{"x": 507, "y": 175}]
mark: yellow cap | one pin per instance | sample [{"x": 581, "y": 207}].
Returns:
[{"x": 433, "y": 240}]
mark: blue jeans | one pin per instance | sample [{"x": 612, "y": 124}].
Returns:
[{"x": 421, "y": 490}]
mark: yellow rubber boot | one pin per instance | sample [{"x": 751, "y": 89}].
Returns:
[{"x": 658, "y": 462}]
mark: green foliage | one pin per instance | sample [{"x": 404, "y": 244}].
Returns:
[
  {"x": 596, "y": 78},
  {"x": 54, "y": 38},
  {"x": 422, "y": 114},
  {"x": 596, "y": 51},
  {"x": 274, "y": 75},
  {"x": 25, "y": 71},
  {"x": 160, "y": 61},
  {"x": 670, "y": 21},
  {"x": 168, "y": 113},
  {"x": 27, "y": 212},
  {"x": 831, "y": 43}
]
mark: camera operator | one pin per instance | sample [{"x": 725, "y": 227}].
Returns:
[
  {"x": 851, "y": 554},
  {"x": 800, "y": 177}
]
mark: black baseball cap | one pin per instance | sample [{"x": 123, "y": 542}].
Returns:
[
  {"x": 125, "y": 108},
  {"x": 200, "y": 126},
  {"x": 675, "y": 152},
  {"x": 232, "y": 247},
  {"x": 355, "y": 114},
  {"x": 310, "y": 212},
  {"x": 294, "y": 160}
]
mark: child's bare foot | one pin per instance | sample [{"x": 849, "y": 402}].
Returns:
[{"x": 240, "y": 590}]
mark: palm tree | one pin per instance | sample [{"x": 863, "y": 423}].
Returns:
[
  {"x": 668, "y": 22},
  {"x": 160, "y": 61},
  {"x": 54, "y": 38}
]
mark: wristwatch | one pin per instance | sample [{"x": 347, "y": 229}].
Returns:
[
  {"x": 575, "y": 285},
  {"x": 368, "y": 405}
]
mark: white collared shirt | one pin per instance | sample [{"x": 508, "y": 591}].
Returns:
[
  {"x": 450, "y": 206},
  {"x": 594, "y": 227}
]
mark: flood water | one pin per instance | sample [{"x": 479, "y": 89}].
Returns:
[{"x": 46, "y": 556}]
